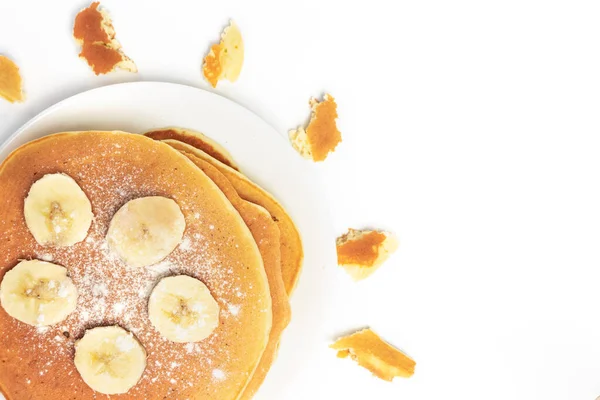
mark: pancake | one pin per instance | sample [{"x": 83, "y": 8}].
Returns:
[
  {"x": 266, "y": 234},
  {"x": 218, "y": 249},
  {"x": 197, "y": 140},
  {"x": 292, "y": 253}
]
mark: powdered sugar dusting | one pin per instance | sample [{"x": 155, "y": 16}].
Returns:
[
  {"x": 125, "y": 343},
  {"x": 218, "y": 374},
  {"x": 186, "y": 244},
  {"x": 234, "y": 309},
  {"x": 111, "y": 293},
  {"x": 46, "y": 257}
]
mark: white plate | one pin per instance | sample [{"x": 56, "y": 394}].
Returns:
[{"x": 266, "y": 158}]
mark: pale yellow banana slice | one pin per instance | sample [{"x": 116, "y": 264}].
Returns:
[
  {"x": 109, "y": 359},
  {"x": 38, "y": 293},
  {"x": 146, "y": 230},
  {"x": 182, "y": 309},
  {"x": 57, "y": 211}
]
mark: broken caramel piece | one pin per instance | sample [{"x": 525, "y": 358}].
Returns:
[
  {"x": 225, "y": 60},
  {"x": 321, "y": 136},
  {"x": 212, "y": 65},
  {"x": 373, "y": 353},
  {"x": 361, "y": 252},
  {"x": 10, "y": 80},
  {"x": 93, "y": 25},
  {"x": 94, "y": 31},
  {"x": 101, "y": 58}
]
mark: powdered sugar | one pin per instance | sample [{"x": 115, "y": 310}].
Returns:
[
  {"x": 125, "y": 343},
  {"x": 111, "y": 293},
  {"x": 118, "y": 308},
  {"x": 186, "y": 244},
  {"x": 46, "y": 257},
  {"x": 99, "y": 289},
  {"x": 234, "y": 309},
  {"x": 218, "y": 374}
]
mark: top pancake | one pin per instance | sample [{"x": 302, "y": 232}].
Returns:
[
  {"x": 112, "y": 168},
  {"x": 198, "y": 144}
]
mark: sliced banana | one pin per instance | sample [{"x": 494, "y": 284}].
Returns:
[
  {"x": 146, "y": 230},
  {"x": 38, "y": 293},
  {"x": 182, "y": 309},
  {"x": 57, "y": 211},
  {"x": 109, "y": 359}
]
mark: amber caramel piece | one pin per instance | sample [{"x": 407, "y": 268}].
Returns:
[
  {"x": 10, "y": 80},
  {"x": 90, "y": 25},
  {"x": 361, "y": 252},
  {"x": 373, "y": 353},
  {"x": 101, "y": 58},
  {"x": 94, "y": 31},
  {"x": 321, "y": 136},
  {"x": 212, "y": 65},
  {"x": 225, "y": 59}
]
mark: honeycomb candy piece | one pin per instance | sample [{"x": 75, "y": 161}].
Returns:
[
  {"x": 321, "y": 136},
  {"x": 10, "y": 80},
  {"x": 225, "y": 60},
  {"x": 94, "y": 31},
  {"x": 373, "y": 353},
  {"x": 361, "y": 252}
]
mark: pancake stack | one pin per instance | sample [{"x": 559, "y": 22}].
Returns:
[{"x": 139, "y": 267}]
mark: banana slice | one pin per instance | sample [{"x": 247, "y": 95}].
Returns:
[
  {"x": 146, "y": 230},
  {"x": 182, "y": 309},
  {"x": 38, "y": 293},
  {"x": 109, "y": 359},
  {"x": 57, "y": 211}
]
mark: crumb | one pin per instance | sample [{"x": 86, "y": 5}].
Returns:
[
  {"x": 321, "y": 136},
  {"x": 93, "y": 30},
  {"x": 225, "y": 60},
  {"x": 10, "y": 80},
  {"x": 361, "y": 252},
  {"x": 376, "y": 355}
]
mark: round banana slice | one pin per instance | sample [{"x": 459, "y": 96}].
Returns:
[
  {"x": 109, "y": 359},
  {"x": 182, "y": 309},
  {"x": 57, "y": 211},
  {"x": 146, "y": 230},
  {"x": 38, "y": 293}
]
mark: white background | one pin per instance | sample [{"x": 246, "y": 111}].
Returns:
[{"x": 470, "y": 128}]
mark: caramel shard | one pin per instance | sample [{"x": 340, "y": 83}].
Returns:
[
  {"x": 321, "y": 136},
  {"x": 361, "y": 252},
  {"x": 10, "y": 80},
  {"x": 225, "y": 60},
  {"x": 94, "y": 31},
  {"x": 376, "y": 355}
]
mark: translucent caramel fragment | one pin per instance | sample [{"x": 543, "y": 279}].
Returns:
[
  {"x": 101, "y": 58},
  {"x": 225, "y": 60},
  {"x": 94, "y": 31},
  {"x": 361, "y": 252},
  {"x": 373, "y": 353},
  {"x": 10, "y": 80},
  {"x": 91, "y": 25},
  {"x": 212, "y": 65},
  {"x": 321, "y": 136}
]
